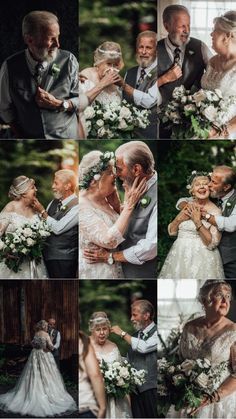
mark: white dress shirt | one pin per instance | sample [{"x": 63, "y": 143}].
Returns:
[
  {"x": 145, "y": 346},
  {"x": 66, "y": 222},
  {"x": 146, "y": 248},
  {"x": 58, "y": 340},
  {"x": 226, "y": 223},
  {"x": 170, "y": 48},
  {"x": 150, "y": 98}
]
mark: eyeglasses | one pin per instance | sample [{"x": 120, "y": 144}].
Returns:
[{"x": 220, "y": 296}]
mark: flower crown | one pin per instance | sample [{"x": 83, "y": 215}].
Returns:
[
  {"x": 193, "y": 175},
  {"x": 95, "y": 171}
]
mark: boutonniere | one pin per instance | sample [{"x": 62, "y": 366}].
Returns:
[
  {"x": 191, "y": 52},
  {"x": 145, "y": 201},
  {"x": 63, "y": 208},
  {"x": 145, "y": 336},
  {"x": 152, "y": 73},
  {"x": 55, "y": 70},
  {"x": 228, "y": 204}
]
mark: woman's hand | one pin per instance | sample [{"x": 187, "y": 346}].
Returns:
[
  {"x": 206, "y": 400},
  {"x": 134, "y": 193},
  {"x": 109, "y": 78},
  {"x": 96, "y": 255},
  {"x": 194, "y": 212},
  {"x": 117, "y": 330}
]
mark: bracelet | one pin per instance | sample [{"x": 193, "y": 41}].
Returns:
[{"x": 199, "y": 226}]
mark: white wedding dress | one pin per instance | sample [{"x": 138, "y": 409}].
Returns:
[
  {"x": 40, "y": 390},
  {"x": 97, "y": 229},
  {"x": 225, "y": 81},
  {"x": 217, "y": 349},
  {"x": 190, "y": 258},
  {"x": 9, "y": 222},
  {"x": 116, "y": 408}
]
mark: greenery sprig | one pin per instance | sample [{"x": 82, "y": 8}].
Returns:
[{"x": 96, "y": 170}]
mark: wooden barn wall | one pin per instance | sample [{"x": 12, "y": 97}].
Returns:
[{"x": 24, "y": 303}]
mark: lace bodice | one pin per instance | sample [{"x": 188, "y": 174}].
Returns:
[
  {"x": 41, "y": 342},
  {"x": 223, "y": 80},
  {"x": 109, "y": 357},
  {"x": 10, "y": 221},
  {"x": 97, "y": 228}
]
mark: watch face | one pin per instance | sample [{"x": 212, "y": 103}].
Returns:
[
  {"x": 65, "y": 104},
  {"x": 207, "y": 216}
]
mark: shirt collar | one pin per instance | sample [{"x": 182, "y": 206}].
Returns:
[
  {"x": 172, "y": 47},
  {"x": 229, "y": 194},
  {"x": 68, "y": 199},
  {"x": 148, "y": 328},
  {"x": 152, "y": 180},
  {"x": 150, "y": 67}
]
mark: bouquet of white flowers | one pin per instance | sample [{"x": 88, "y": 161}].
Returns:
[
  {"x": 26, "y": 243},
  {"x": 193, "y": 115},
  {"x": 184, "y": 385},
  {"x": 121, "y": 378},
  {"x": 114, "y": 120}
]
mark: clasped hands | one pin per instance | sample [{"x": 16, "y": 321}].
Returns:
[{"x": 192, "y": 211}]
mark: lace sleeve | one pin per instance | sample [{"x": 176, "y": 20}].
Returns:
[
  {"x": 95, "y": 230},
  {"x": 233, "y": 359},
  {"x": 5, "y": 219},
  {"x": 215, "y": 237}
]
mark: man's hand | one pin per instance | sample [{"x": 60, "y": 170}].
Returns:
[
  {"x": 46, "y": 100},
  {"x": 171, "y": 75},
  {"x": 96, "y": 255},
  {"x": 117, "y": 330},
  {"x": 37, "y": 206}
]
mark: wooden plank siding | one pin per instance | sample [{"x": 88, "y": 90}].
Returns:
[{"x": 24, "y": 303}]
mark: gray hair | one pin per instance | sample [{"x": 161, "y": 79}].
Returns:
[
  {"x": 19, "y": 186},
  {"x": 229, "y": 174},
  {"x": 88, "y": 161},
  {"x": 227, "y": 22},
  {"x": 169, "y": 11},
  {"x": 67, "y": 176},
  {"x": 136, "y": 152},
  {"x": 145, "y": 307},
  {"x": 209, "y": 287},
  {"x": 41, "y": 325},
  {"x": 35, "y": 22},
  {"x": 98, "y": 318},
  {"x": 146, "y": 34},
  {"x": 108, "y": 51}
]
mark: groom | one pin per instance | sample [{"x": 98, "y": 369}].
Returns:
[
  {"x": 55, "y": 338},
  {"x": 142, "y": 354},
  {"x": 138, "y": 253},
  {"x": 61, "y": 250}
]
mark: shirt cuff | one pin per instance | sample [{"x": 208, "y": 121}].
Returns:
[
  {"x": 219, "y": 219},
  {"x": 134, "y": 343},
  {"x": 131, "y": 257},
  {"x": 75, "y": 103}
]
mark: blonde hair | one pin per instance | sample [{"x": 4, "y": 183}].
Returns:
[
  {"x": 209, "y": 287},
  {"x": 227, "y": 22},
  {"x": 41, "y": 325},
  {"x": 19, "y": 186},
  {"x": 108, "y": 51},
  {"x": 194, "y": 180}
]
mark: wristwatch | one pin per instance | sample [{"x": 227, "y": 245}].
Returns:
[
  {"x": 65, "y": 105},
  {"x": 207, "y": 216},
  {"x": 110, "y": 259},
  {"x": 123, "y": 334}
]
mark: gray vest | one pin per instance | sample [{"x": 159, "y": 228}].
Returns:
[
  {"x": 147, "y": 362},
  {"x": 33, "y": 121},
  {"x": 63, "y": 246},
  {"x": 53, "y": 336},
  {"x": 136, "y": 231},
  {"x": 193, "y": 68},
  {"x": 227, "y": 246},
  {"x": 131, "y": 77}
]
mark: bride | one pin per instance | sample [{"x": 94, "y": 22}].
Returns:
[
  {"x": 40, "y": 390},
  {"x": 99, "y": 326},
  {"x": 213, "y": 336},
  {"x": 221, "y": 70},
  {"x": 15, "y": 214},
  {"x": 194, "y": 254},
  {"x": 102, "y": 223}
]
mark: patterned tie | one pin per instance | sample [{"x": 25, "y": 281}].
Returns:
[
  {"x": 177, "y": 52},
  {"x": 141, "y": 78},
  {"x": 38, "y": 75},
  {"x": 59, "y": 205},
  {"x": 220, "y": 203}
]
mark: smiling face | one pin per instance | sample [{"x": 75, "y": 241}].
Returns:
[
  {"x": 178, "y": 28},
  {"x": 100, "y": 333},
  {"x": 123, "y": 171},
  {"x": 59, "y": 187},
  {"x": 146, "y": 51},
  {"x": 200, "y": 187},
  {"x": 218, "y": 188},
  {"x": 44, "y": 46}
]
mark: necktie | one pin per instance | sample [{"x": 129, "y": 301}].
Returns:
[
  {"x": 38, "y": 75},
  {"x": 59, "y": 205},
  {"x": 220, "y": 203},
  {"x": 177, "y": 52},
  {"x": 142, "y": 77}
]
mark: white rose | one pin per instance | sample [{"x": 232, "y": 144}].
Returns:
[
  {"x": 124, "y": 372},
  {"x": 199, "y": 96},
  {"x": 122, "y": 124},
  {"x": 107, "y": 155},
  {"x": 210, "y": 113},
  {"x": 100, "y": 123},
  {"x": 27, "y": 232},
  {"x": 202, "y": 380},
  {"x": 125, "y": 112},
  {"x": 120, "y": 382},
  {"x": 101, "y": 132},
  {"x": 12, "y": 246},
  {"x": 187, "y": 366},
  {"x": 89, "y": 112},
  {"x": 30, "y": 242},
  {"x": 2, "y": 244},
  {"x": 107, "y": 115},
  {"x": 190, "y": 107},
  {"x": 44, "y": 233},
  {"x": 97, "y": 176}
]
